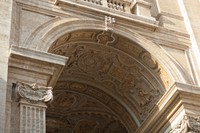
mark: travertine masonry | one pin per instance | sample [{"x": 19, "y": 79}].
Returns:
[
  {"x": 5, "y": 28},
  {"x": 138, "y": 74}
]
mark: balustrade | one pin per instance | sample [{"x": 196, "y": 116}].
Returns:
[
  {"x": 117, "y": 5},
  {"x": 137, "y": 7},
  {"x": 98, "y": 2}
]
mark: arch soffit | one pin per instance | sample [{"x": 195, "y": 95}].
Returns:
[{"x": 47, "y": 33}]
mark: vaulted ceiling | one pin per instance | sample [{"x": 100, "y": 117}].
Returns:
[{"x": 109, "y": 85}]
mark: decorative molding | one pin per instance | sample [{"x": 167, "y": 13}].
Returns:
[
  {"x": 121, "y": 74},
  {"x": 106, "y": 37},
  {"x": 188, "y": 124},
  {"x": 38, "y": 55},
  {"x": 34, "y": 93}
]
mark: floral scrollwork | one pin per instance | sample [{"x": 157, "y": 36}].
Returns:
[{"x": 34, "y": 93}]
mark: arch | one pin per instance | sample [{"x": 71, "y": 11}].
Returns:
[
  {"x": 57, "y": 27},
  {"x": 45, "y": 35}
]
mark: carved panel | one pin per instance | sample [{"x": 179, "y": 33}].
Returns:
[
  {"x": 106, "y": 38},
  {"x": 89, "y": 101},
  {"x": 188, "y": 124},
  {"x": 85, "y": 124},
  {"x": 64, "y": 100},
  {"x": 83, "y": 112},
  {"x": 62, "y": 46},
  {"x": 110, "y": 70},
  {"x": 121, "y": 67}
]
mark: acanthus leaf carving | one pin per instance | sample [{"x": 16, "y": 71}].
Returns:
[
  {"x": 34, "y": 93},
  {"x": 188, "y": 124}
]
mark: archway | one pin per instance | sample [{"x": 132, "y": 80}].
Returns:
[
  {"x": 46, "y": 34},
  {"x": 110, "y": 82},
  {"x": 129, "y": 69}
]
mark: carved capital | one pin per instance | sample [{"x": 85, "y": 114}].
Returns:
[
  {"x": 33, "y": 93},
  {"x": 187, "y": 124}
]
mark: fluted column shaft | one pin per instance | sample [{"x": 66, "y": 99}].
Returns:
[{"x": 33, "y": 100}]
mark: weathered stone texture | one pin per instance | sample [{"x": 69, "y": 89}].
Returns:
[
  {"x": 5, "y": 28},
  {"x": 134, "y": 74}
]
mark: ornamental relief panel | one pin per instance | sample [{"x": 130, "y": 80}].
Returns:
[
  {"x": 94, "y": 101},
  {"x": 62, "y": 46},
  {"x": 86, "y": 124},
  {"x": 107, "y": 68},
  {"x": 66, "y": 101},
  {"x": 67, "y": 88},
  {"x": 92, "y": 36},
  {"x": 114, "y": 62},
  {"x": 90, "y": 111},
  {"x": 188, "y": 124}
]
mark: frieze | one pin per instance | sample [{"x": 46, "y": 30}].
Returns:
[{"x": 34, "y": 93}]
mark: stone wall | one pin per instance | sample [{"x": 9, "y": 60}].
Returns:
[{"x": 5, "y": 29}]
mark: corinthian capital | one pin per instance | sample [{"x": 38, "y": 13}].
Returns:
[{"x": 34, "y": 93}]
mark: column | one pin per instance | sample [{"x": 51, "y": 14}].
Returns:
[
  {"x": 33, "y": 101},
  {"x": 29, "y": 66}
]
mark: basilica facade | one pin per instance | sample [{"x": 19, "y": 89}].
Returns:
[{"x": 99, "y": 66}]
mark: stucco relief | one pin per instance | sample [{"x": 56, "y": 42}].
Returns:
[
  {"x": 81, "y": 108},
  {"x": 188, "y": 124},
  {"x": 109, "y": 68},
  {"x": 105, "y": 38},
  {"x": 69, "y": 88},
  {"x": 34, "y": 93},
  {"x": 114, "y": 41},
  {"x": 124, "y": 68}
]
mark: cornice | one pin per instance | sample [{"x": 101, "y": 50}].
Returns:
[
  {"x": 32, "y": 63},
  {"x": 38, "y": 55}
]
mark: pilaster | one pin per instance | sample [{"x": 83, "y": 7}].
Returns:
[
  {"x": 28, "y": 66},
  {"x": 180, "y": 102},
  {"x": 33, "y": 99}
]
